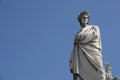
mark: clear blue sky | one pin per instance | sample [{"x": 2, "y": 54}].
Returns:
[{"x": 36, "y": 36}]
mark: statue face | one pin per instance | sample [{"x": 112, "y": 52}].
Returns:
[{"x": 84, "y": 19}]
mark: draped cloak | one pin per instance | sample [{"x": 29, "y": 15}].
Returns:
[{"x": 86, "y": 58}]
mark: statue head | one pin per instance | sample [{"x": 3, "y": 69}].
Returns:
[
  {"x": 108, "y": 67},
  {"x": 83, "y": 18}
]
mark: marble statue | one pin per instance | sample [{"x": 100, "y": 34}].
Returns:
[
  {"x": 108, "y": 72},
  {"x": 86, "y": 58}
]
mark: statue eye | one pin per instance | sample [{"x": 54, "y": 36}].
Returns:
[{"x": 85, "y": 17}]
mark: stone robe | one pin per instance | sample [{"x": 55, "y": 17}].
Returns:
[{"x": 86, "y": 59}]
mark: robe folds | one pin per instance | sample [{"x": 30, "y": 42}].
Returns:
[{"x": 86, "y": 58}]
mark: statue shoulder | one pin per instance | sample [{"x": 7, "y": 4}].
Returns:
[{"x": 95, "y": 27}]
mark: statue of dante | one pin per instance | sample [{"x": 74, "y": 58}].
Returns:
[{"x": 86, "y": 58}]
